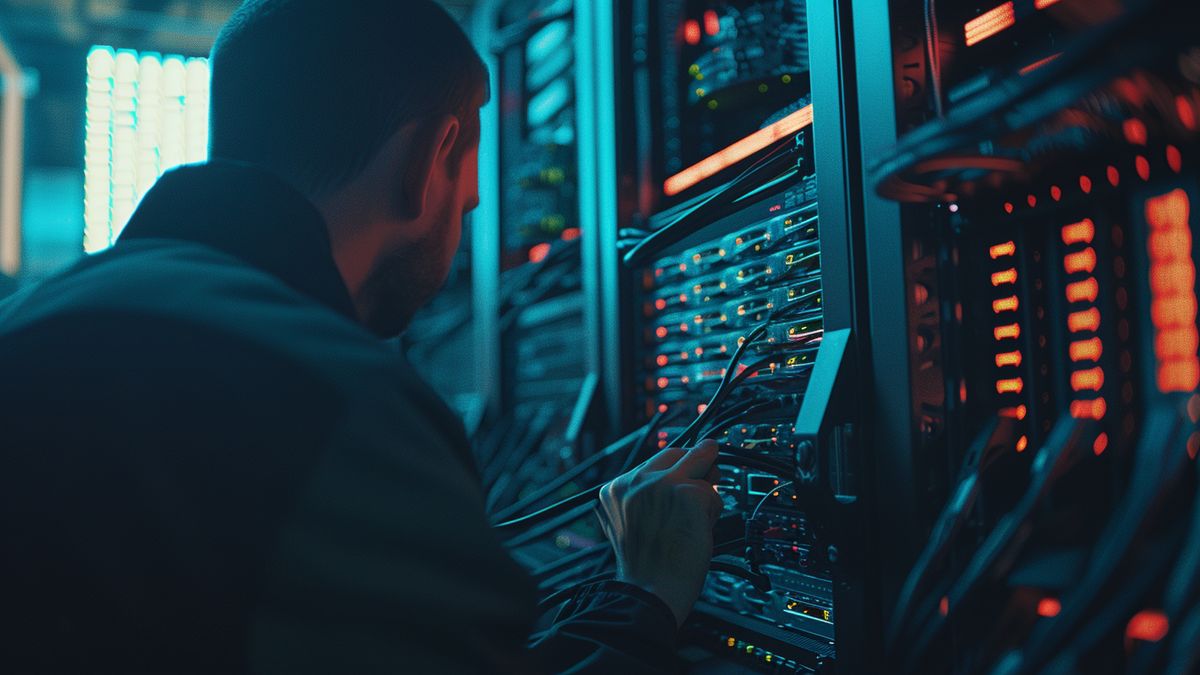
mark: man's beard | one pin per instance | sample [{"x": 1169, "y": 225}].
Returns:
[{"x": 399, "y": 286}]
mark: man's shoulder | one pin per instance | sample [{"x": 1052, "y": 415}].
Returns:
[{"x": 169, "y": 283}]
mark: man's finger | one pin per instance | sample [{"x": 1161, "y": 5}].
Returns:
[{"x": 698, "y": 461}]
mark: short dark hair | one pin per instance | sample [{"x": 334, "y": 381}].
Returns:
[{"x": 311, "y": 89}]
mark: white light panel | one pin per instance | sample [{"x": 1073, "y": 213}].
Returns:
[{"x": 145, "y": 114}]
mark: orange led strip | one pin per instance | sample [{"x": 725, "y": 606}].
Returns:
[
  {"x": 1001, "y": 250},
  {"x": 1087, "y": 380},
  {"x": 1010, "y": 331},
  {"x": 1008, "y": 359},
  {"x": 1173, "y": 296},
  {"x": 1087, "y": 320},
  {"x": 1083, "y": 261},
  {"x": 723, "y": 159},
  {"x": 1079, "y": 233},
  {"x": 1005, "y": 277},
  {"x": 1038, "y": 64},
  {"x": 1009, "y": 304},
  {"x": 989, "y": 23},
  {"x": 1010, "y": 386},
  {"x": 1083, "y": 291},
  {"x": 1087, "y": 350}
]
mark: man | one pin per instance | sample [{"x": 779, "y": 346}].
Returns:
[{"x": 211, "y": 463}]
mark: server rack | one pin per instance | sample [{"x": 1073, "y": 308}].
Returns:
[
  {"x": 1026, "y": 162},
  {"x": 832, "y": 419}
]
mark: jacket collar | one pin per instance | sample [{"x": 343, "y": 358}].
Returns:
[{"x": 250, "y": 214}]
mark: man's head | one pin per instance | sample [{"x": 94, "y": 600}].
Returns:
[{"x": 371, "y": 109}]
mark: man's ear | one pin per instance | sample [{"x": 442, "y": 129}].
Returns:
[{"x": 432, "y": 148}]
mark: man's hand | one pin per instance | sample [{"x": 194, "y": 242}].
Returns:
[{"x": 659, "y": 518}]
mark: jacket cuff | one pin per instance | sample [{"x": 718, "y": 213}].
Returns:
[{"x": 654, "y": 608}]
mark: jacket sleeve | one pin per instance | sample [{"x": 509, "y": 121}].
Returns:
[{"x": 608, "y": 627}]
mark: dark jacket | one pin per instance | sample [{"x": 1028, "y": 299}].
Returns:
[{"x": 208, "y": 465}]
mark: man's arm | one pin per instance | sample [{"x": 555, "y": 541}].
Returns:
[{"x": 659, "y": 518}]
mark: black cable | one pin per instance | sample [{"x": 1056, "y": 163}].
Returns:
[
  {"x": 586, "y": 497},
  {"x": 554, "y": 521},
  {"x": 675, "y": 230},
  {"x": 733, "y": 456},
  {"x": 933, "y": 52},
  {"x": 952, "y": 517},
  {"x": 731, "y": 417},
  {"x": 638, "y": 437}
]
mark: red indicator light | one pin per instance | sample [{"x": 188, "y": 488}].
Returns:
[
  {"x": 570, "y": 234},
  {"x": 944, "y": 603},
  {"x": 1089, "y": 410},
  {"x": 1174, "y": 159},
  {"x": 1087, "y": 350},
  {"x": 1008, "y": 207},
  {"x": 1043, "y": 4},
  {"x": 1008, "y": 304},
  {"x": 1087, "y": 320},
  {"x": 712, "y": 22},
  {"x": 989, "y": 23},
  {"x": 1135, "y": 131},
  {"x": 1011, "y": 386},
  {"x": 1143, "y": 167},
  {"x": 1005, "y": 277},
  {"x": 1031, "y": 200},
  {"x": 1085, "y": 184},
  {"x": 701, "y": 408},
  {"x": 663, "y": 382},
  {"x": 1055, "y": 192},
  {"x": 1147, "y": 625},
  {"x": 1100, "y": 444},
  {"x": 1049, "y": 607},
  {"x": 723, "y": 159},
  {"x": 1010, "y": 331},
  {"x": 662, "y": 407},
  {"x": 1083, "y": 291},
  {"x": 1017, "y": 413},
  {"x": 1001, "y": 250},
  {"x": 660, "y": 304},
  {"x": 662, "y": 359},
  {"x": 1087, "y": 380},
  {"x": 1083, "y": 261},
  {"x": 1114, "y": 176},
  {"x": 661, "y": 331},
  {"x": 1008, "y": 359},
  {"x": 1079, "y": 233},
  {"x": 1022, "y": 443},
  {"x": 539, "y": 252},
  {"x": 1187, "y": 114},
  {"x": 691, "y": 32}
]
